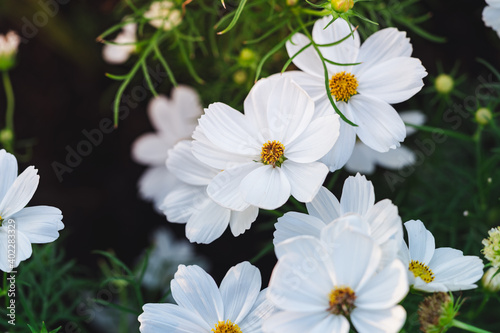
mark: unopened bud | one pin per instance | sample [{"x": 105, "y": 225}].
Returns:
[
  {"x": 491, "y": 282},
  {"x": 342, "y": 6},
  {"x": 6, "y": 135},
  {"x": 240, "y": 77},
  {"x": 247, "y": 57},
  {"x": 444, "y": 84},
  {"x": 483, "y": 116}
]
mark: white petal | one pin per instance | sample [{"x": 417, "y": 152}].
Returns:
[
  {"x": 266, "y": 187},
  {"x": 305, "y": 178},
  {"x": 315, "y": 141},
  {"x": 183, "y": 201},
  {"x": 300, "y": 322},
  {"x": 185, "y": 166},
  {"x": 351, "y": 222},
  {"x": 241, "y": 221},
  {"x": 379, "y": 126},
  {"x": 20, "y": 193},
  {"x": 22, "y": 249},
  {"x": 383, "y": 45},
  {"x": 345, "y": 52},
  {"x": 294, "y": 224},
  {"x": 229, "y": 130},
  {"x": 240, "y": 289},
  {"x": 207, "y": 223},
  {"x": 117, "y": 54},
  {"x": 421, "y": 241},
  {"x": 195, "y": 290},
  {"x": 257, "y": 100},
  {"x": 384, "y": 290},
  {"x": 151, "y": 149},
  {"x": 260, "y": 311},
  {"x": 358, "y": 195},
  {"x": 343, "y": 148},
  {"x": 225, "y": 187},
  {"x": 381, "y": 321},
  {"x": 413, "y": 117},
  {"x": 158, "y": 318},
  {"x": 362, "y": 160},
  {"x": 8, "y": 165},
  {"x": 491, "y": 18},
  {"x": 308, "y": 60},
  {"x": 393, "y": 81},
  {"x": 156, "y": 183},
  {"x": 313, "y": 85},
  {"x": 324, "y": 206},
  {"x": 384, "y": 221},
  {"x": 396, "y": 158},
  {"x": 39, "y": 223}
]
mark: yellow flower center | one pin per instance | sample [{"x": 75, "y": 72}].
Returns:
[
  {"x": 419, "y": 269},
  {"x": 343, "y": 86},
  {"x": 272, "y": 153},
  {"x": 341, "y": 301},
  {"x": 1, "y": 220},
  {"x": 226, "y": 327}
]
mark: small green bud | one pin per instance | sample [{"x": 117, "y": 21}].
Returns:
[
  {"x": 490, "y": 282},
  {"x": 342, "y": 6},
  {"x": 247, "y": 57},
  {"x": 444, "y": 84},
  {"x": 240, "y": 77},
  {"x": 6, "y": 135},
  {"x": 483, "y": 116},
  {"x": 291, "y": 3},
  {"x": 436, "y": 313}
]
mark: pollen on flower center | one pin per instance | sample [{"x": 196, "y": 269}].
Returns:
[
  {"x": 272, "y": 153},
  {"x": 419, "y": 269},
  {"x": 226, "y": 327},
  {"x": 343, "y": 86},
  {"x": 341, "y": 300}
]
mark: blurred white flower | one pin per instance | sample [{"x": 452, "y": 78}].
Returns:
[
  {"x": 163, "y": 14},
  {"x": 443, "y": 269},
  {"x": 491, "y": 15},
  {"x": 174, "y": 120},
  {"x": 19, "y": 225},
  {"x": 363, "y": 93},
  {"x": 236, "y": 306},
  {"x": 271, "y": 151},
  {"x": 320, "y": 286},
  {"x": 118, "y": 54},
  {"x": 8, "y": 50},
  {"x": 189, "y": 202},
  {"x": 364, "y": 159}
]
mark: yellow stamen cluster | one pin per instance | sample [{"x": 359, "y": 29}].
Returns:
[
  {"x": 226, "y": 327},
  {"x": 491, "y": 248},
  {"x": 341, "y": 300},
  {"x": 421, "y": 270},
  {"x": 343, "y": 86},
  {"x": 272, "y": 153}
]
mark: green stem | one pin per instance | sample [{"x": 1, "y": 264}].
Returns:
[
  {"x": 9, "y": 115},
  {"x": 477, "y": 140},
  {"x": 467, "y": 327}
]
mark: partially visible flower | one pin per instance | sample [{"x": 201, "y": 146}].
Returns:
[
  {"x": 271, "y": 151},
  {"x": 356, "y": 211},
  {"x": 174, "y": 120},
  {"x": 321, "y": 286},
  {"x": 436, "y": 313},
  {"x": 118, "y": 54},
  {"x": 8, "y": 49},
  {"x": 387, "y": 74},
  {"x": 491, "y": 248},
  {"x": 166, "y": 255},
  {"x": 483, "y": 116},
  {"x": 364, "y": 159},
  {"x": 236, "y": 306},
  {"x": 163, "y": 14},
  {"x": 491, "y": 282},
  {"x": 491, "y": 15},
  {"x": 20, "y": 225},
  {"x": 443, "y": 269},
  {"x": 189, "y": 202}
]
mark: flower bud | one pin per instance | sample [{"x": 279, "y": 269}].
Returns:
[
  {"x": 8, "y": 49},
  {"x": 6, "y": 135},
  {"x": 491, "y": 250},
  {"x": 436, "y": 312},
  {"x": 491, "y": 283},
  {"x": 483, "y": 116},
  {"x": 240, "y": 77},
  {"x": 247, "y": 57},
  {"x": 444, "y": 84},
  {"x": 342, "y": 6}
]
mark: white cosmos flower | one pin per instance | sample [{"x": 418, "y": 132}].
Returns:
[
  {"x": 174, "y": 120},
  {"x": 118, "y": 54},
  {"x": 491, "y": 15},
  {"x": 237, "y": 306},
  {"x": 163, "y": 14},
  {"x": 25, "y": 225},
  {"x": 189, "y": 202},
  {"x": 364, "y": 159},
  {"x": 443, "y": 269},
  {"x": 355, "y": 211},
  {"x": 318, "y": 286},
  {"x": 363, "y": 93},
  {"x": 271, "y": 151}
]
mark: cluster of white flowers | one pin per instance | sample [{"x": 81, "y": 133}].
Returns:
[{"x": 346, "y": 261}]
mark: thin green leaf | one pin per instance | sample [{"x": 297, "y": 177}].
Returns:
[
  {"x": 148, "y": 79},
  {"x": 449, "y": 133},
  {"x": 165, "y": 65},
  {"x": 237, "y": 14},
  {"x": 267, "y": 34},
  {"x": 489, "y": 66},
  {"x": 419, "y": 31},
  {"x": 289, "y": 61},
  {"x": 189, "y": 64},
  {"x": 115, "y": 260}
]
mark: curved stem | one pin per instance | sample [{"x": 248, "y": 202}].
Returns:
[{"x": 467, "y": 327}]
